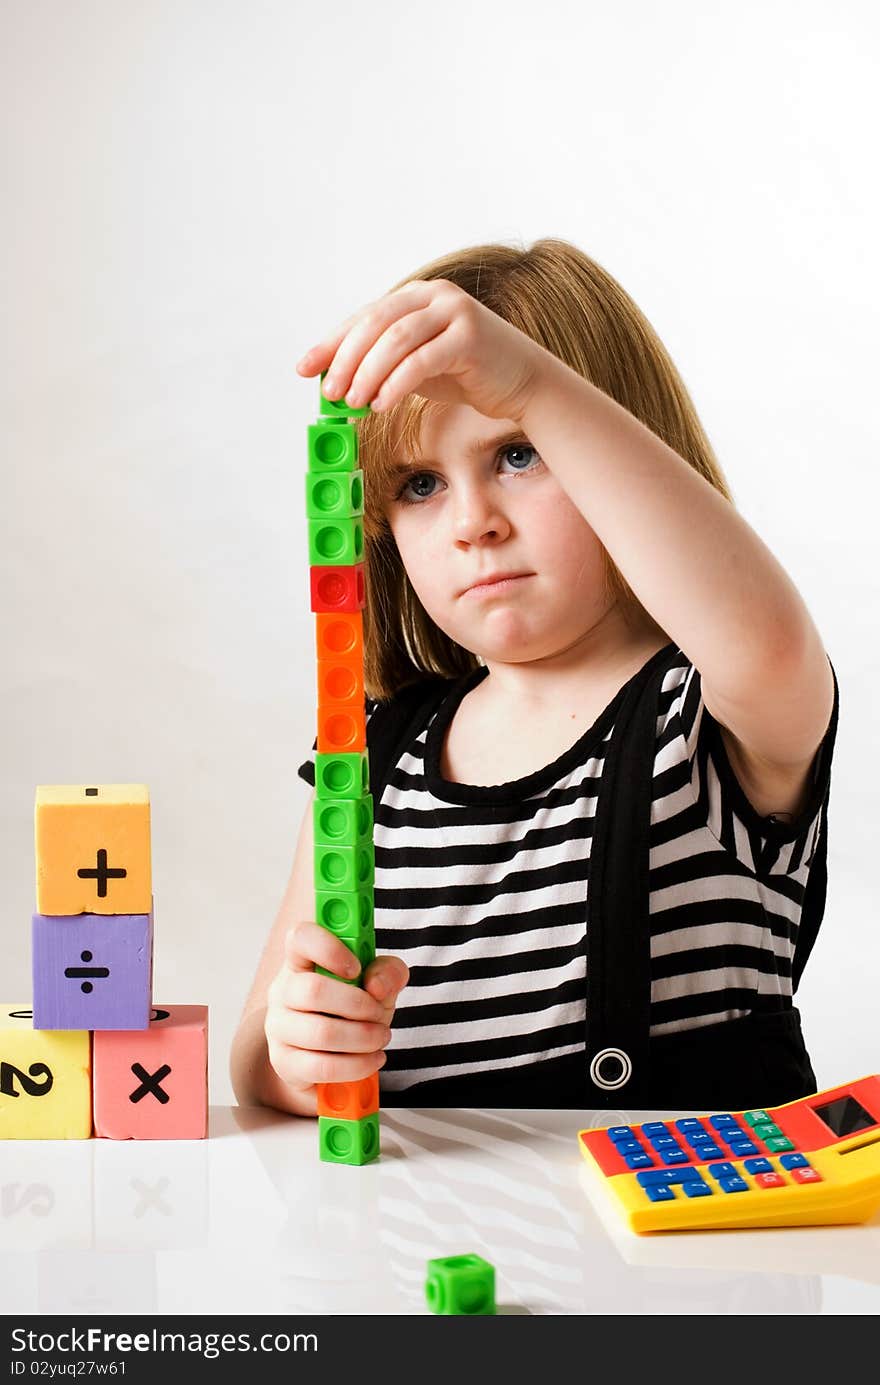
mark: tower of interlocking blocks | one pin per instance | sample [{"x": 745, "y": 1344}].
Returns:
[
  {"x": 344, "y": 863},
  {"x": 92, "y": 1054}
]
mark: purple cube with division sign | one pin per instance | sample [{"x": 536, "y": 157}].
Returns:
[{"x": 92, "y": 971}]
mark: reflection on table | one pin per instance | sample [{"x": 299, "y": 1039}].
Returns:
[{"x": 251, "y": 1221}]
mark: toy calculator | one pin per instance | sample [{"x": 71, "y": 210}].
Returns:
[{"x": 812, "y": 1161}]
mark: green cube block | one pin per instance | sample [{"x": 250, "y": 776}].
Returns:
[
  {"x": 345, "y": 774},
  {"x": 333, "y": 446},
  {"x": 460, "y": 1284},
  {"x": 364, "y": 948},
  {"x": 347, "y": 913},
  {"x": 349, "y": 1142},
  {"x": 336, "y": 542},
  {"x": 339, "y": 407},
  {"x": 344, "y": 867},
  {"x": 334, "y": 497},
  {"x": 343, "y": 821}
]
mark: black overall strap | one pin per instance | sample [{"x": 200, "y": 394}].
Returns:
[
  {"x": 817, "y": 881},
  {"x": 394, "y": 723},
  {"x": 618, "y": 899}
]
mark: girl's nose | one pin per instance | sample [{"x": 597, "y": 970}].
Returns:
[{"x": 478, "y": 516}]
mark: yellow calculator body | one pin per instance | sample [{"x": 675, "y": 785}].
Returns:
[{"x": 808, "y": 1163}]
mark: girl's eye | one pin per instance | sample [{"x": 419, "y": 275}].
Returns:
[
  {"x": 522, "y": 455},
  {"x": 520, "y": 451}
]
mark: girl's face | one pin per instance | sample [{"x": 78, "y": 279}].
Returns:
[{"x": 480, "y": 501}]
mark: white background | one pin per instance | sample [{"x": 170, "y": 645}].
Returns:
[{"x": 194, "y": 192}]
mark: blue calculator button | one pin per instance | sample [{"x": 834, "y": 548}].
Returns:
[
  {"x": 660, "y": 1194},
  {"x": 686, "y": 1175},
  {"x": 794, "y": 1161},
  {"x": 722, "y": 1171},
  {"x": 696, "y": 1189},
  {"x": 689, "y": 1123},
  {"x": 719, "y": 1122},
  {"x": 656, "y": 1128},
  {"x": 620, "y": 1132},
  {"x": 758, "y": 1166},
  {"x": 734, "y": 1184},
  {"x": 673, "y": 1156},
  {"x": 707, "y": 1152},
  {"x": 662, "y": 1142},
  {"x": 655, "y": 1177},
  {"x": 639, "y": 1161},
  {"x": 741, "y": 1147},
  {"x": 629, "y": 1147}
]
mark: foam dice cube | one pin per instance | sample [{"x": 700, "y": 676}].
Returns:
[
  {"x": 45, "y": 1080},
  {"x": 460, "y": 1284},
  {"x": 343, "y": 821},
  {"x": 93, "y": 849},
  {"x": 348, "y": 1141},
  {"x": 333, "y": 446},
  {"x": 152, "y": 1084},
  {"x": 336, "y": 541},
  {"x": 335, "y": 589},
  {"x": 349, "y": 1100},
  {"x": 92, "y": 971},
  {"x": 343, "y": 775}
]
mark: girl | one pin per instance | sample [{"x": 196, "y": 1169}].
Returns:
[{"x": 601, "y": 723}]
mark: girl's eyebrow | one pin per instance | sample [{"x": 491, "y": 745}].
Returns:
[{"x": 473, "y": 450}]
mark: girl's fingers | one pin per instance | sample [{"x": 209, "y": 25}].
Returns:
[
  {"x": 325, "y": 1033},
  {"x": 317, "y": 357},
  {"x": 431, "y": 359},
  {"x": 309, "y": 991},
  {"x": 304, "y": 1068},
  {"x": 366, "y": 329},
  {"x": 307, "y": 945},
  {"x": 397, "y": 343}
]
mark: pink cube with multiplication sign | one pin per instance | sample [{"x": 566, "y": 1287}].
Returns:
[{"x": 152, "y": 1084}]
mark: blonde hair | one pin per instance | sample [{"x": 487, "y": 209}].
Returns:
[{"x": 568, "y": 303}]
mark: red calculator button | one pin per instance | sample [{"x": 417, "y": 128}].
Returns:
[
  {"x": 807, "y": 1175},
  {"x": 769, "y": 1180}
]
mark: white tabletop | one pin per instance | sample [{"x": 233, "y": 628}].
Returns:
[{"x": 251, "y": 1221}]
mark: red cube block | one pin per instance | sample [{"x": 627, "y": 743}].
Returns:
[{"x": 337, "y": 588}]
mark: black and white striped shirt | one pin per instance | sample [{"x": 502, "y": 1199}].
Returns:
[{"x": 482, "y": 891}]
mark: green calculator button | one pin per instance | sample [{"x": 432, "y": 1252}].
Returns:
[
  {"x": 757, "y": 1118},
  {"x": 778, "y": 1146},
  {"x": 766, "y": 1132}
]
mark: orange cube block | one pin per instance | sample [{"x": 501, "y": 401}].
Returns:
[
  {"x": 342, "y": 728},
  {"x": 341, "y": 712},
  {"x": 341, "y": 679},
  {"x": 340, "y": 635},
  {"x": 92, "y": 845},
  {"x": 152, "y": 1084},
  {"x": 349, "y": 1100}
]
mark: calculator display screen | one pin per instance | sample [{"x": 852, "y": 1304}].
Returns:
[{"x": 845, "y": 1116}]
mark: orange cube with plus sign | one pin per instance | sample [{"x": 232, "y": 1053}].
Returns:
[{"x": 92, "y": 845}]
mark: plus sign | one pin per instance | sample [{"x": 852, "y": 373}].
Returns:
[{"x": 102, "y": 873}]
